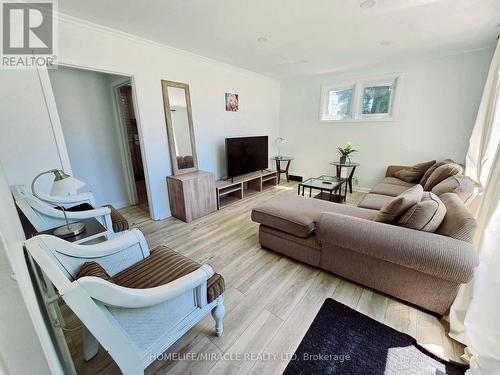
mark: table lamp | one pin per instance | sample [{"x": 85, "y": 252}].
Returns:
[
  {"x": 63, "y": 184},
  {"x": 280, "y": 141}
]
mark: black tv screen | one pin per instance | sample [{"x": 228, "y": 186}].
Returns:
[{"x": 245, "y": 155}]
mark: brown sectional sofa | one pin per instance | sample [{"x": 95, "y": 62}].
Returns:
[{"x": 425, "y": 269}]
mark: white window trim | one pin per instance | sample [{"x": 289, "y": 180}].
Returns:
[
  {"x": 358, "y": 88},
  {"x": 325, "y": 91}
]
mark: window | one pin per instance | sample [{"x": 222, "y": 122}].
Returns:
[
  {"x": 362, "y": 101},
  {"x": 337, "y": 103},
  {"x": 376, "y": 100},
  {"x": 340, "y": 103}
]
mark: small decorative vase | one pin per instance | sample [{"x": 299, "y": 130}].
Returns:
[{"x": 343, "y": 159}]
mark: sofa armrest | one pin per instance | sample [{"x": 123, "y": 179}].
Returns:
[
  {"x": 430, "y": 253},
  {"x": 391, "y": 169}
]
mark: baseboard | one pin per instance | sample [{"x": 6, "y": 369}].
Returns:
[
  {"x": 294, "y": 177},
  {"x": 361, "y": 189},
  {"x": 122, "y": 204}
]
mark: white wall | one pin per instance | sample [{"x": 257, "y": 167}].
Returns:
[
  {"x": 88, "y": 114},
  {"x": 27, "y": 145},
  {"x": 148, "y": 63},
  {"x": 439, "y": 100},
  {"x": 20, "y": 348}
]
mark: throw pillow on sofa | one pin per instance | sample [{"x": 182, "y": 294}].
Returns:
[
  {"x": 463, "y": 186},
  {"x": 426, "y": 215},
  {"x": 397, "y": 206},
  {"x": 442, "y": 173},
  {"x": 429, "y": 171},
  {"x": 414, "y": 173}
]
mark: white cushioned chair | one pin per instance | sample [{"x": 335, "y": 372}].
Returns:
[
  {"x": 134, "y": 325},
  {"x": 44, "y": 216}
]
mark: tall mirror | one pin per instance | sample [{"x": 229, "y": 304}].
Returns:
[{"x": 177, "y": 103}]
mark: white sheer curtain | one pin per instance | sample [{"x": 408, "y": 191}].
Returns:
[
  {"x": 485, "y": 135},
  {"x": 482, "y": 321},
  {"x": 475, "y": 314}
]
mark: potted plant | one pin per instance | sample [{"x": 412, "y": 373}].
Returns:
[{"x": 345, "y": 152}]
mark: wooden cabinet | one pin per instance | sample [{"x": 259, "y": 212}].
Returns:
[{"x": 191, "y": 195}]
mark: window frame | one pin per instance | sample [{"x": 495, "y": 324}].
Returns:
[
  {"x": 359, "y": 86},
  {"x": 325, "y": 96}
]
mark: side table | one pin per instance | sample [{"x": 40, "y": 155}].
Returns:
[
  {"x": 279, "y": 171},
  {"x": 338, "y": 165},
  {"x": 93, "y": 230}
]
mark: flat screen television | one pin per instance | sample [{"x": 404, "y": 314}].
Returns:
[{"x": 245, "y": 155}]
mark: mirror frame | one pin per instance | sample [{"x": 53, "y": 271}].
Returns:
[{"x": 170, "y": 129}]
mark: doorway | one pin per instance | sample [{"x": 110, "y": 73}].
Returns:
[
  {"x": 99, "y": 126},
  {"x": 132, "y": 144}
]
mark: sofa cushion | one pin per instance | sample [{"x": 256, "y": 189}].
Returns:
[
  {"x": 298, "y": 215},
  {"x": 397, "y": 206},
  {"x": 391, "y": 190},
  {"x": 441, "y": 173},
  {"x": 414, "y": 173},
  {"x": 307, "y": 250},
  {"x": 162, "y": 266},
  {"x": 458, "y": 222},
  {"x": 374, "y": 201},
  {"x": 426, "y": 215},
  {"x": 429, "y": 171},
  {"x": 396, "y": 181},
  {"x": 463, "y": 186}
]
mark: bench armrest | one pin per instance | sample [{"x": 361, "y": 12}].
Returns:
[
  {"x": 102, "y": 214},
  {"x": 119, "y": 296},
  {"x": 430, "y": 253},
  {"x": 55, "y": 255},
  {"x": 69, "y": 201}
]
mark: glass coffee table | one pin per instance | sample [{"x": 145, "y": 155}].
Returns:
[{"x": 328, "y": 187}]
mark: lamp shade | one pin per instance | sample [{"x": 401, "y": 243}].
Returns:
[
  {"x": 64, "y": 184},
  {"x": 281, "y": 141}
]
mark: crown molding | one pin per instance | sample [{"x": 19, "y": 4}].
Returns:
[
  {"x": 430, "y": 56},
  {"x": 150, "y": 43}
]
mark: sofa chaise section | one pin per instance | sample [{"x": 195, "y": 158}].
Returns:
[
  {"x": 422, "y": 268},
  {"x": 288, "y": 224},
  {"x": 425, "y": 269}
]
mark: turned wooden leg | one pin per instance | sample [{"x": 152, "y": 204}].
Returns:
[
  {"x": 90, "y": 345},
  {"x": 218, "y": 314}
]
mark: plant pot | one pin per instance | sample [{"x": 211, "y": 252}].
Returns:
[{"x": 343, "y": 159}]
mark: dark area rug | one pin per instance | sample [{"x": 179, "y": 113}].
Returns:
[{"x": 343, "y": 341}]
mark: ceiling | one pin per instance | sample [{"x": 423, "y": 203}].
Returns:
[{"x": 280, "y": 38}]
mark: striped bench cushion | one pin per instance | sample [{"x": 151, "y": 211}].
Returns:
[
  {"x": 93, "y": 269},
  {"x": 119, "y": 222},
  {"x": 162, "y": 266}
]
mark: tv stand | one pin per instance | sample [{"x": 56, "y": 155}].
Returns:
[{"x": 242, "y": 187}]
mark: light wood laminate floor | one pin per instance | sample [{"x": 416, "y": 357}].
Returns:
[{"x": 270, "y": 299}]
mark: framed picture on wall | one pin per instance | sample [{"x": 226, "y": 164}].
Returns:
[{"x": 232, "y": 102}]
